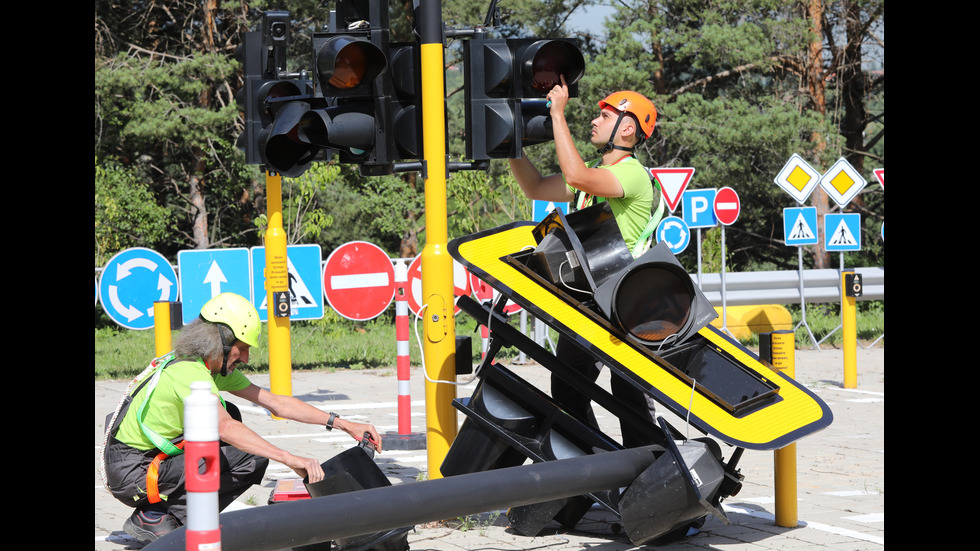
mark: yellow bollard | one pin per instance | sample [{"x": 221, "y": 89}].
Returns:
[
  {"x": 162, "y": 327},
  {"x": 848, "y": 314},
  {"x": 784, "y": 361},
  {"x": 277, "y": 285}
]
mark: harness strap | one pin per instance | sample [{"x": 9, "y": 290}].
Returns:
[
  {"x": 160, "y": 442},
  {"x": 153, "y": 473},
  {"x": 646, "y": 238}
]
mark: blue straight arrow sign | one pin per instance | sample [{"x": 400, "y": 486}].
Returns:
[{"x": 206, "y": 273}]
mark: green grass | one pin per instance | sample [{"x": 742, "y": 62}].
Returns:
[
  {"x": 824, "y": 321},
  {"x": 331, "y": 342},
  {"x": 337, "y": 343}
]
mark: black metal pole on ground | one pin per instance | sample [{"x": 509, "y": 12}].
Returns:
[{"x": 305, "y": 522}]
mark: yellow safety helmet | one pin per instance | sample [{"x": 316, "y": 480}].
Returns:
[
  {"x": 635, "y": 104},
  {"x": 236, "y": 312}
]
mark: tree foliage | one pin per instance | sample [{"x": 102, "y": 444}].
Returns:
[
  {"x": 739, "y": 90},
  {"x": 126, "y": 214},
  {"x": 740, "y": 86}
]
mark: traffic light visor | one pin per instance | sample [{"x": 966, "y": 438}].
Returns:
[
  {"x": 272, "y": 91},
  {"x": 348, "y": 64},
  {"x": 545, "y": 61},
  {"x": 655, "y": 300}
]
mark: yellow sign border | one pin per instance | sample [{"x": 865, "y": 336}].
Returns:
[{"x": 797, "y": 413}]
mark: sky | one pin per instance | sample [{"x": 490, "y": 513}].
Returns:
[{"x": 590, "y": 18}]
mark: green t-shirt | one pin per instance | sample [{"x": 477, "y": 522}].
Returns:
[
  {"x": 165, "y": 412},
  {"x": 632, "y": 210}
]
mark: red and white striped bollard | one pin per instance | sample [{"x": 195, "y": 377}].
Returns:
[
  {"x": 201, "y": 442},
  {"x": 402, "y": 349}
]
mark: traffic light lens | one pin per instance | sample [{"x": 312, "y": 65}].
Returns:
[
  {"x": 654, "y": 302},
  {"x": 273, "y": 90},
  {"x": 346, "y": 66},
  {"x": 553, "y": 59},
  {"x": 350, "y": 67}
]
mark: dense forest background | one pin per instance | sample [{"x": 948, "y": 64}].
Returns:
[{"x": 740, "y": 86}]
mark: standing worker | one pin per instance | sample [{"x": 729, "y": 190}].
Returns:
[
  {"x": 143, "y": 464},
  {"x": 625, "y": 120}
]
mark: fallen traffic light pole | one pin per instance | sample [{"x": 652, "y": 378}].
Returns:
[{"x": 338, "y": 516}]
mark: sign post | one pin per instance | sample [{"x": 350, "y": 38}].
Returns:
[{"x": 727, "y": 207}]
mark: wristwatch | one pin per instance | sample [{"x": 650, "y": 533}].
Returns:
[{"x": 330, "y": 420}]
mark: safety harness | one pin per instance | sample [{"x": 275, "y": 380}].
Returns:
[
  {"x": 645, "y": 239},
  {"x": 166, "y": 447}
]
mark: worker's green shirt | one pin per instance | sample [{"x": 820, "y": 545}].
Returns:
[
  {"x": 632, "y": 210},
  {"x": 165, "y": 411}
]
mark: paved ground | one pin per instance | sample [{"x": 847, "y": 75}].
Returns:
[{"x": 840, "y": 480}]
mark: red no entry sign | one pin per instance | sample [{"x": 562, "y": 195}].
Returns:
[
  {"x": 461, "y": 284},
  {"x": 726, "y": 206},
  {"x": 359, "y": 280}
]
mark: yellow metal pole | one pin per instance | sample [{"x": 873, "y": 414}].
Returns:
[
  {"x": 848, "y": 314},
  {"x": 161, "y": 327},
  {"x": 784, "y": 360},
  {"x": 439, "y": 344},
  {"x": 277, "y": 281}
]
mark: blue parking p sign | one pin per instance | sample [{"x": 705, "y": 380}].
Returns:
[{"x": 699, "y": 210}]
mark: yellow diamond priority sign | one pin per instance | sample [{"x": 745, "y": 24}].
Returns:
[
  {"x": 842, "y": 182},
  {"x": 798, "y": 178}
]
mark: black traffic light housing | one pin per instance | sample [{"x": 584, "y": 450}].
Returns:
[
  {"x": 263, "y": 57},
  {"x": 504, "y": 80},
  {"x": 350, "y": 112},
  {"x": 404, "y": 98},
  {"x": 651, "y": 298},
  {"x": 361, "y": 105}
]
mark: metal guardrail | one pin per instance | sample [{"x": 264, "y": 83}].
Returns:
[
  {"x": 776, "y": 287},
  {"x": 783, "y": 286}
]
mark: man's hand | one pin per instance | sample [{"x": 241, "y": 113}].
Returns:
[
  {"x": 305, "y": 467},
  {"x": 558, "y": 96},
  {"x": 357, "y": 430}
]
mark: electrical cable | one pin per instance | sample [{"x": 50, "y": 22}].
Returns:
[
  {"x": 418, "y": 338},
  {"x": 562, "y": 279},
  {"x": 694, "y": 383}
]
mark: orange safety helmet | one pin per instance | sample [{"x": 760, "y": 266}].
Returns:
[{"x": 635, "y": 104}]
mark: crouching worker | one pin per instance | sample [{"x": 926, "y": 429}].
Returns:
[{"x": 143, "y": 461}]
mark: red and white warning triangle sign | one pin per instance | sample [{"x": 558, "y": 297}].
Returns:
[{"x": 673, "y": 182}]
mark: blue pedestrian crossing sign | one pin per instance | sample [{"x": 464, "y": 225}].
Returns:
[
  {"x": 205, "y": 273},
  {"x": 673, "y": 232},
  {"x": 132, "y": 281},
  {"x": 800, "y": 226},
  {"x": 843, "y": 232},
  {"x": 543, "y": 208},
  {"x": 305, "y": 282},
  {"x": 699, "y": 208}
]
